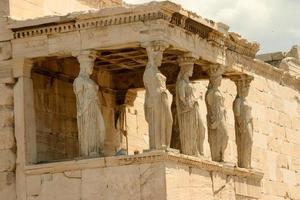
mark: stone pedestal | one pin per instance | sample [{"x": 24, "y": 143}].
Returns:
[{"x": 154, "y": 175}]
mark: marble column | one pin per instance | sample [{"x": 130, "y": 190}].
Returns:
[
  {"x": 158, "y": 99},
  {"x": 25, "y": 124},
  {"x": 243, "y": 121},
  {"x": 90, "y": 121},
  {"x": 191, "y": 127},
  {"x": 216, "y": 115}
]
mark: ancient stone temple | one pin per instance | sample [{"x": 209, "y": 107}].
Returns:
[{"x": 142, "y": 102}]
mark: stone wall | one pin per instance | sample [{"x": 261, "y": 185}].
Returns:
[
  {"x": 21, "y": 9},
  {"x": 56, "y": 123},
  {"x": 7, "y": 139},
  {"x": 4, "y": 7}
]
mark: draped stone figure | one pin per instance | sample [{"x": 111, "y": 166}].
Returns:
[
  {"x": 192, "y": 131},
  {"x": 158, "y": 99},
  {"x": 91, "y": 128},
  {"x": 121, "y": 122},
  {"x": 243, "y": 123},
  {"x": 216, "y": 117}
]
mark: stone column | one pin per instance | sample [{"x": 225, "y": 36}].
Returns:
[
  {"x": 243, "y": 121},
  {"x": 158, "y": 99},
  {"x": 216, "y": 114},
  {"x": 25, "y": 129},
  {"x": 90, "y": 121},
  {"x": 192, "y": 131}
]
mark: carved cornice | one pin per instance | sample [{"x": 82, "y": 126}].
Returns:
[
  {"x": 91, "y": 23},
  {"x": 163, "y": 11}
]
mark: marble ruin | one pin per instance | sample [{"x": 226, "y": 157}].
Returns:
[
  {"x": 106, "y": 100},
  {"x": 216, "y": 115},
  {"x": 192, "y": 130},
  {"x": 157, "y": 99},
  {"x": 91, "y": 126}
]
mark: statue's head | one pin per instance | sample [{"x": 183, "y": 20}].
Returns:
[
  {"x": 86, "y": 67},
  {"x": 187, "y": 69},
  {"x": 155, "y": 51},
  {"x": 243, "y": 86},
  {"x": 245, "y": 90},
  {"x": 216, "y": 80},
  {"x": 215, "y": 72},
  {"x": 155, "y": 57},
  {"x": 86, "y": 60}
]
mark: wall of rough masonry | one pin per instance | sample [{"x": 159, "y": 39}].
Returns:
[
  {"x": 7, "y": 139},
  {"x": 56, "y": 125}
]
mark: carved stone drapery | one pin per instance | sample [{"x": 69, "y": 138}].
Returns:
[
  {"x": 216, "y": 115},
  {"x": 192, "y": 131},
  {"x": 243, "y": 122},
  {"x": 158, "y": 99},
  {"x": 121, "y": 121},
  {"x": 91, "y": 128}
]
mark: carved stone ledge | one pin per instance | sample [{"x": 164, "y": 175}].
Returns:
[
  {"x": 132, "y": 177},
  {"x": 150, "y": 157}
]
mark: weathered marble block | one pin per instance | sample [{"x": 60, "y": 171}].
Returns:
[{"x": 153, "y": 175}]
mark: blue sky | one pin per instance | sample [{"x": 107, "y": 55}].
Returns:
[{"x": 275, "y": 24}]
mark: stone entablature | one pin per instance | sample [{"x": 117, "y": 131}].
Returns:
[
  {"x": 167, "y": 11},
  {"x": 90, "y": 36}
]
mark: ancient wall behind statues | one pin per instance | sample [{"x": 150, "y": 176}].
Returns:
[{"x": 55, "y": 109}]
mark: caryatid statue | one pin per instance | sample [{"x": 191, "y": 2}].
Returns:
[
  {"x": 91, "y": 128},
  {"x": 243, "y": 122},
  {"x": 158, "y": 99},
  {"x": 192, "y": 131},
  {"x": 216, "y": 115}
]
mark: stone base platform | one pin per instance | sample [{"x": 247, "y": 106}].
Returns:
[{"x": 155, "y": 175}]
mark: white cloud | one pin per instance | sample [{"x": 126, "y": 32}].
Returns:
[{"x": 275, "y": 24}]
